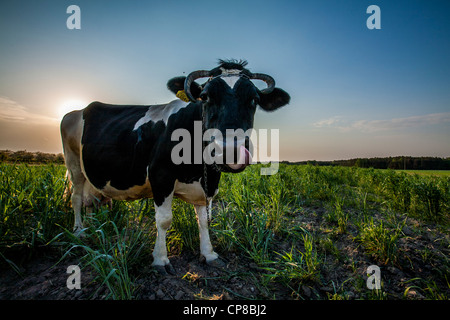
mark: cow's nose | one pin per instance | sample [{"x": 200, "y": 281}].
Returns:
[{"x": 235, "y": 153}]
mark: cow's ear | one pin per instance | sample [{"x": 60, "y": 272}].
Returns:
[
  {"x": 273, "y": 100},
  {"x": 177, "y": 84}
]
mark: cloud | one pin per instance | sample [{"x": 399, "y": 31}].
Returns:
[
  {"x": 384, "y": 125},
  {"x": 12, "y": 111},
  {"x": 32, "y": 137},
  {"x": 328, "y": 122},
  {"x": 22, "y": 129}
]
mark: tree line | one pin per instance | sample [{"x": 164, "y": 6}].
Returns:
[
  {"x": 23, "y": 156},
  {"x": 401, "y": 162}
]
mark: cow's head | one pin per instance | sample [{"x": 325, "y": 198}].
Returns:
[{"x": 229, "y": 100}]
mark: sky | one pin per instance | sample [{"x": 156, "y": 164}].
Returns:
[{"x": 355, "y": 91}]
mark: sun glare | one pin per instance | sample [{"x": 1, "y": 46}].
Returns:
[{"x": 70, "y": 105}]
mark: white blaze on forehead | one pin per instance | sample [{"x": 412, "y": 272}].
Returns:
[
  {"x": 230, "y": 76},
  {"x": 160, "y": 112},
  {"x": 231, "y": 81}
]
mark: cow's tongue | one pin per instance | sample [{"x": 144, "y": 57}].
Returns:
[
  {"x": 245, "y": 158},
  {"x": 244, "y": 155}
]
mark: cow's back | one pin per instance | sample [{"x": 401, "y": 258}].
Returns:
[{"x": 112, "y": 152}]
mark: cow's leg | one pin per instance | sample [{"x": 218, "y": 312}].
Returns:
[
  {"x": 89, "y": 201},
  {"x": 77, "y": 205},
  {"x": 93, "y": 200},
  {"x": 163, "y": 217},
  {"x": 77, "y": 180},
  {"x": 83, "y": 195},
  {"x": 76, "y": 183},
  {"x": 206, "y": 248}
]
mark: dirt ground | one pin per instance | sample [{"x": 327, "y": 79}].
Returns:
[
  {"x": 41, "y": 279},
  {"x": 418, "y": 274}
]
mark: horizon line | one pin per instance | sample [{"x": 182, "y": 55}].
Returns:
[{"x": 266, "y": 162}]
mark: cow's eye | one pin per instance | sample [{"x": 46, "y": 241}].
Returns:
[{"x": 204, "y": 97}]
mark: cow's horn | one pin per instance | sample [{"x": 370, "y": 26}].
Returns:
[
  {"x": 192, "y": 77},
  {"x": 267, "y": 79}
]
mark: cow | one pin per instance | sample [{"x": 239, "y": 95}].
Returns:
[{"x": 124, "y": 152}]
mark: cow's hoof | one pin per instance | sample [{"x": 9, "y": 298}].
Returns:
[
  {"x": 79, "y": 232},
  {"x": 216, "y": 263},
  {"x": 161, "y": 270},
  {"x": 165, "y": 270},
  {"x": 170, "y": 269}
]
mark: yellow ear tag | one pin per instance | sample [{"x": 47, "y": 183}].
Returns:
[{"x": 182, "y": 96}]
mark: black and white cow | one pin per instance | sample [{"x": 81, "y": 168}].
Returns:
[{"x": 124, "y": 152}]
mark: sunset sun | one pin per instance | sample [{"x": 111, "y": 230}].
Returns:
[{"x": 70, "y": 105}]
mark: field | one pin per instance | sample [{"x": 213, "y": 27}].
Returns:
[
  {"x": 438, "y": 173},
  {"x": 307, "y": 232}
]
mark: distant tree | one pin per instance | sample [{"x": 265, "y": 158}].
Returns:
[
  {"x": 41, "y": 157},
  {"x": 4, "y": 155},
  {"x": 396, "y": 163},
  {"x": 59, "y": 158},
  {"x": 22, "y": 156}
]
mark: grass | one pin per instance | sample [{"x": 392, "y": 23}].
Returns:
[
  {"x": 296, "y": 227},
  {"x": 111, "y": 248},
  {"x": 32, "y": 205},
  {"x": 379, "y": 242},
  {"x": 295, "y": 267},
  {"x": 438, "y": 173}
]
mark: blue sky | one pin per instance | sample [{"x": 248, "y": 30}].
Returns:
[{"x": 354, "y": 92}]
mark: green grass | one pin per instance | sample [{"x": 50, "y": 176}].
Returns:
[
  {"x": 295, "y": 267},
  {"x": 32, "y": 205},
  {"x": 438, "y": 173},
  {"x": 379, "y": 241},
  {"x": 295, "y": 226},
  {"x": 111, "y": 246}
]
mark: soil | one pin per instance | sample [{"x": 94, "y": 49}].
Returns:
[{"x": 44, "y": 277}]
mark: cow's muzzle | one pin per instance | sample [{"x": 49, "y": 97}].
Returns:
[
  {"x": 234, "y": 157},
  {"x": 244, "y": 159}
]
